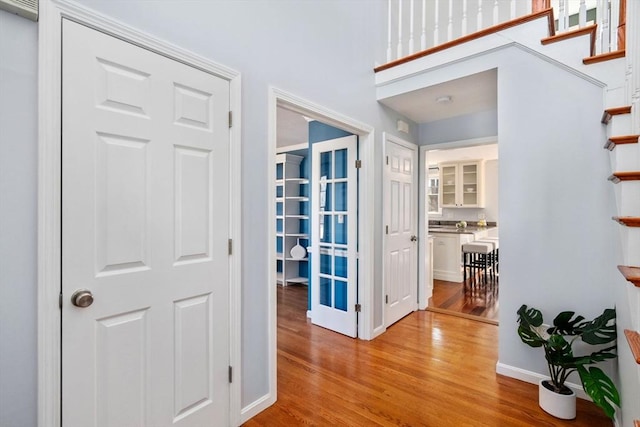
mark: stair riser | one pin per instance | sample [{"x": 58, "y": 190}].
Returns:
[
  {"x": 633, "y": 295},
  {"x": 616, "y": 95},
  {"x": 625, "y": 157},
  {"x": 628, "y": 198},
  {"x": 619, "y": 125}
]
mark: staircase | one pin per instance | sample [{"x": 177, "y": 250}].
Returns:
[{"x": 621, "y": 142}]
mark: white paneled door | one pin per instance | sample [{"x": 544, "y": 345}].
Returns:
[
  {"x": 334, "y": 223},
  {"x": 145, "y": 223},
  {"x": 401, "y": 226}
]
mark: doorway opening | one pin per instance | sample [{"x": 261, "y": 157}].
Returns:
[
  {"x": 461, "y": 205},
  {"x": 284, "y": 104}
]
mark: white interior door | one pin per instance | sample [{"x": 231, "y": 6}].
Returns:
[
  {"x": 401, "y": 229},
  {"x": 145, "y": 223},
  {"x": 334, "y": 223}
]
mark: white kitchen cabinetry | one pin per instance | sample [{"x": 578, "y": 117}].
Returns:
[
  {"x": 292, "y": 219},
  {"x": 447, "y": 255},
  {"x": 462, "y": 185}
]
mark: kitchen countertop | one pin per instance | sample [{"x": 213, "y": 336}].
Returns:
[{"x": 451, "y": 229}]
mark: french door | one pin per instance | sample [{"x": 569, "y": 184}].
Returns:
[{"x": 334, "y": 234}]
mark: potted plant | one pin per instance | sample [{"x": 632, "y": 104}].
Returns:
[{"x": 558, "y": 341}]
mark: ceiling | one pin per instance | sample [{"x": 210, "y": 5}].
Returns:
[
  {"x": 292, "y": 128},
  {"x": 471, "y": 94}
]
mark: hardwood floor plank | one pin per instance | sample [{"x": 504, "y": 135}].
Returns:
[
  {"x": 428, "y": 369},
  {"x": 462, "y": 298}
]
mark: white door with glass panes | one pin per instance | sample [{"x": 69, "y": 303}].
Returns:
[
  {"x": 334, "y": 233},
  {"x": 145, "y": 227}
]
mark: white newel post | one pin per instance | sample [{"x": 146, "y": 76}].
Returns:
[
  {"x": 399, "y": 29},
  {"x": 411, "y": 18},
  {"x": 423, "y": 35},
  {"x": 479, "y": 15},
  {"x": 389, "y": 31}
]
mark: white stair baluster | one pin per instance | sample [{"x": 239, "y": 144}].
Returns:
[
  {"x": 512, "y": 11},
  {"x": 562, "y": 16},
  {"x": 411, "y": 19},
  {"x": 496, "y": 12},
  {"x": 389, "y": 58},
  {"x": 399, "y": 29},
  {"x": 450, "y": 24},
  {"x": 614, "y": 21},
  {"x": 464, "y": 31},
  {"x": 606, "y": 30},
  {"x": 436, "y": 29},
  {"x": 479, "y": 15},
  {"x": 582, "y": 14},
  {"x": 423, "y": 35}
]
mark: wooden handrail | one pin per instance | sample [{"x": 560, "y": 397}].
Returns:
[
  {"x": 540, "y": 5},
  {"x": 491, "y": 30}
]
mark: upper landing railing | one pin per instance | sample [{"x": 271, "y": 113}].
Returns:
[{"x": 418, "y": 25}]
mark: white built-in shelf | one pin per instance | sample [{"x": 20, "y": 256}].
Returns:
[
  {"x": 303, "y": 280},
  {"x": 279, "y": 199},
  {"x": 298, "y": 198},
  {"x": 279, "y": 216},
  {"x": 297, "y": 259},
  {"x": 298, "y": 180},
  {"x": 279, "y": 181},
  {"x": 279, "y": 234},
  {"x": 298, "y": 216},
  {"x": 279, "y": 277},
  {"x": 279, "y": 255},
  {"x": 300, "y": 235}
]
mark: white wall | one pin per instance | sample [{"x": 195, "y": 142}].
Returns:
[{"x": 18, "y": 220}]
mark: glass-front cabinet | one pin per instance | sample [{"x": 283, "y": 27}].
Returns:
[
  {"x": 433, "y": 191},
  {"x": 461, "y": 185}
]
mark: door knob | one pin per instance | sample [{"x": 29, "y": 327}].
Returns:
[
  {"x": 414, "y": 238},
  {"x": 82, "y": 298}
]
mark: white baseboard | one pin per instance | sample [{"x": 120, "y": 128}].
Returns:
[
  {"x": 534, "y": 378},
  {"x": 256, "y": 407},
  {"x": 308, "y": 314},
  {"x": 379, "y": 331},
  {"x": 447, "y": 276}
]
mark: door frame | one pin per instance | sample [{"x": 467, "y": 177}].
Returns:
[
  {"x": 366, "y": 207},
  {"x": 50, "y": 192},
  {"x": 387, "y": 137}
]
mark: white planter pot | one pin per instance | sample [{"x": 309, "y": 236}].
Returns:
[{"x": 561, "y": 406}]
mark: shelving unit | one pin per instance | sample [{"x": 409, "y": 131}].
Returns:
[{"x": 292, "y": 219}]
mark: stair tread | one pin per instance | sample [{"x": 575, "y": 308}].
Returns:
[
  {"x": 616, "y": 177},
  {"x": 636, "y": 423},
  {"x": 590, "y": 30},
  {"x": 615, "y": 111},
  {"x": 622, "y": 139},
  {"x": 604, "y": 57},
  {"x": 629, "y": 221},
  {"x": 633, "y": 338},
  {"x": 631, "y": 274}
]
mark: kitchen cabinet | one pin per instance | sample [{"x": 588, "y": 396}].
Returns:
[
  {"x": 292, "y": 220},
  {"x": 462, "y": 184},
  {"x": 447, "y": 255}
]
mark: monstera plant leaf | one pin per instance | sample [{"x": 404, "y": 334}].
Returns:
[
  {"x": 558, "y": 351},
  {"x": 566, "y": 324},
  {"x": 600, "y": 388},
  {"x": 530, "y": 319},
  {"x": 601, "y": 330}
]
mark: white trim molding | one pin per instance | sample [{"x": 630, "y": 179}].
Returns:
[
  {"x": 366, "y": 134},
  {"x": 49, "y": 193},
  {"x": 534, "y": 378}
]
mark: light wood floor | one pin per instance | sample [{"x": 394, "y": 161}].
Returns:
[
  {"x": 428, "y": 369},
  {"x": 478, "y": 302}
]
